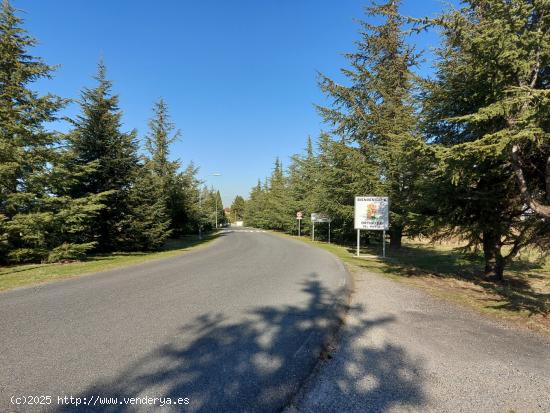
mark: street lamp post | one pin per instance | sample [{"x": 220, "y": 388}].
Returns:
[
  {"x": 216, "y": 174},
  {"x": 200, "y": 214}
]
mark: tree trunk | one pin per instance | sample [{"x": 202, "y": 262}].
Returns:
[
  {"x": 537, "y": 207},
  {"x": 396, "y": 236},
  {"x": 494, "y": 261}
]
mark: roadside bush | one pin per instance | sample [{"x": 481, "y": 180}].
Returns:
[
  {"x": 26, "y": 255},
  {"x": 70, "y": 252}
]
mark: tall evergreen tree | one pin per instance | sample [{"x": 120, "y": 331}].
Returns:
[
  {"x": 302, "y": 182},
  {"x": 211, "y": 207},
  {"x": 206, "y": 209},
  {"x": 161, "y": 135},
  {"x": 278, "y": 208},
  {"x": 343, "y": 172},
  {"x": 184, "y": 201},
  {"x": 157, "y": 143},
  {"x": 489, "y": 111},
  {"x": 146, "y": 224},
  {"x": 178, "y": 189},
  {"x": 255, "y": 210},
  {"x": 38, "y": 221},
  {"x": 237, "y": 208},
  {"x": 97, "y": 140},
  {"x": 377, "y": 111}
]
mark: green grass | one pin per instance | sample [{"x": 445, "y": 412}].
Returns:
[
  {"x": 447, "y": 272},
  {"x": 21, "y": 275}
]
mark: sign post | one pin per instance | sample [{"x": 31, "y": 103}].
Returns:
[
  {"x": 384, "y": 244},
  {"x": 317, "y": 217},
  {"x": 372, "y": 213},
  {"x": 299, "y": 216}
]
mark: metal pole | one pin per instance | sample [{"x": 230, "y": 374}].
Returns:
[
  {"x": 313, "y": 231},
  {"x": 216, "y": 211},
  {"x": 329, "y": 232},
  {"x": 358, "y": 241},
  {"x": 384, "y": 244},
  {"x": 200, "y": 215},
  {"x": 299, "y": 228}
]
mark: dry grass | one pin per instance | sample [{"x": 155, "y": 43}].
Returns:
[{"x": 445, "y": 271}]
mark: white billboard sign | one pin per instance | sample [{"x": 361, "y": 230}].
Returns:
[{"x": 372, "y": 212}]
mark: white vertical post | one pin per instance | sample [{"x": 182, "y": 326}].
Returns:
[
  {"x": 216, "y": 211},
  {"x": 200, "y": 212},
  {"x": 384, "y": 244},
  {"x": 358, "y": 240}
]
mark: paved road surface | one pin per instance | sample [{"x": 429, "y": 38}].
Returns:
[{"x": 234, "y": 326}]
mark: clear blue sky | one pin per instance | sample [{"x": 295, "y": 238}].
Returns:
[{"x": 239, "y": 76}]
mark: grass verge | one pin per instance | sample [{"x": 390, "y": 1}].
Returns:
[
  {"x": 21, "y": 275},
  {"x": 444, "y": 271}
]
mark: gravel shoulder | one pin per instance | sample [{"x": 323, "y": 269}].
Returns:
[{"x": 402, "y": 349}]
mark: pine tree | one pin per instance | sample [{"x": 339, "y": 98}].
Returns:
[
  {"x": 211, "y": 206},
  {"x": 161, "y": 135},
  {"x": 38, "y": 221},
  {"x": 184, "y": 201},
  {"x": 109, "y": 158},
  {"x": 146, "y": 226},
  {"x": 377, "y": 111},
  {"x": 489, "y": 111},
  {"x": 206, "y": 209},
  {"x": 302, "y": 182},
  {"x": 278, "y": 208},
  {"x": 255, "y": 208},
  {"x": 343, "y": 172},
  {"x": 237, "y": 208}
]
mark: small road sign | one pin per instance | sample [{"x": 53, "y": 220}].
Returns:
[
  {"x": 299, "y": 216},
  {"x": 318, "y": 217}
]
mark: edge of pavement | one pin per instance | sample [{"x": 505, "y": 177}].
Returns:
[{"x": 332, "y": 335}]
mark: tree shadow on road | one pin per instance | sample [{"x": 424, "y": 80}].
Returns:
[
  {"x": 365, "y": 373},
  {"x": 258, "y": 362}
]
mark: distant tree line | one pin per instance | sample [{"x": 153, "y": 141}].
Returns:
[
  {"x": 463, "y": 154},
  {"x": 64, "y": 195}
]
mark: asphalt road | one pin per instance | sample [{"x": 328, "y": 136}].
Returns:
[{"x": 234, "y": 326}]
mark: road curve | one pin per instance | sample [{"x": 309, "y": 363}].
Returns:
[{"x": 235, "y": 326}]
